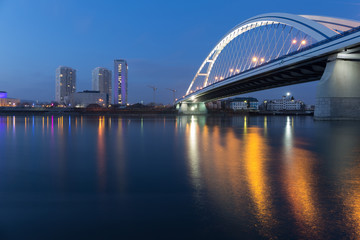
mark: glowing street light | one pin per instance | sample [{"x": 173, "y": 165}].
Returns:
[
  {"x": 254, "y": 59},
  {"x": 237, "y": 70},
  {"x": 231, "y": 70},
  {"x": 262, "y": 60},
  {"x": 294, "y": 41},
  {"x": 288, "y": 94},
  {"x": 303, "y": 42}
]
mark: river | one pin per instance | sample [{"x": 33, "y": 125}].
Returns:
[{"x": 186, "y": 177}]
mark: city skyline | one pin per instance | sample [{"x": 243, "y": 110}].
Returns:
[{"x": 157, "y": 54}]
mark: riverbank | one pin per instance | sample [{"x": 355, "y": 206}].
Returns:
[
  {"x": 132, "y": 112},
  {"x": 83, "y": 111},
  {"x": 262, "y": 113}
]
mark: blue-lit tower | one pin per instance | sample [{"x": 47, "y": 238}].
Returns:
[{"x": 120, "y": 83}]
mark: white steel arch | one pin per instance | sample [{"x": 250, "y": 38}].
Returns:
[
  {"x": 336, "y": 24},
  {"x": 319, "y": 28}
]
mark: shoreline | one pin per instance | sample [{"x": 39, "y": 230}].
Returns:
[{"x": 138, "y": 112}]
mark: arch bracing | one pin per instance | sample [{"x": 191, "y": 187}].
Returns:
[{"x": 262, "y": 39}]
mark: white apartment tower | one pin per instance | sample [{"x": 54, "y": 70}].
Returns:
[
  {"x": 65, "y": 83},
  {"x": 101, "y": 81},
  {"x": 120, "y": 83}
]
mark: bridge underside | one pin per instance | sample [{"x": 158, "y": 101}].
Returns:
[{"x": 303, "y": 72}]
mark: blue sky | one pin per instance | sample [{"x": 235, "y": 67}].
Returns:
[{"x": 164, "y": 42}]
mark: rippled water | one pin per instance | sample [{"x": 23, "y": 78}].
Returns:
[{"x": 179, "y": 178}]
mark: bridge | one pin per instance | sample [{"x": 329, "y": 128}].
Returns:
[{"x": 279, "y": 49}]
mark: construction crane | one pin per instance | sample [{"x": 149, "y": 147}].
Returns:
[
  {"x": 173, "y": 90},
  {"x": 154, "y": 89}
]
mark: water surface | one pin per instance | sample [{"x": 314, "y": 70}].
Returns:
[{"x": 190, "y": 177}]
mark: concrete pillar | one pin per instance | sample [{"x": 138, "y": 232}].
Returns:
[
  {"x": 338, "y": 92},
  {"x": 192, "y": 108}
]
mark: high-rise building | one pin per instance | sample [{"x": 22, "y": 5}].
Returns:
[
  {"x": 120, "y": 83},
  {"x": 65, "y": 83},
  {"x": 101, "y": 81}
]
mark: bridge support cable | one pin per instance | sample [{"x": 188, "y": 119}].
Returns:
[
  {"x": 285, "y": 42},
  {"x": 293, "y": 42},
  {"x": 247, "y": 47}
]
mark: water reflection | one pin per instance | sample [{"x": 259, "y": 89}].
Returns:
[
  {"x": 54, "y": 136},
  {"x": 101, "y": 151},
  {"x": 351, "y": 201},
  {"x": 193, "y": 149},
  {"x": 300, "y": 185},
  {"x": 232, "y": 161},
  {"x": 231, "y": 165},
  {"x": 344, "y": 158},
  {"x": 288, "y": 137},
  {"x": 243, "y": 176},
  {"x": 256, "y": 157},
  {"x": 192, "y": 130},
  {"x": 209, "y": 163}
]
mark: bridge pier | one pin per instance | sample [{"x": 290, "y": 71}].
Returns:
[
  {"x": 194, "y": 108},
  {"x": 338, "y": 92}
]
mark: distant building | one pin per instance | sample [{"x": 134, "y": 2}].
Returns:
[
  {"x": 3, "y": 94},
  {"x": 101, "y": 81},
  {"x": 238, "y": 105},
  {"x": 215, "y": 105},
  {"x": 284, "y": 104},
  {"x": 8, "y": 102},
  {"x": 65, "y": 83},
  {"x": 243, "y": 103},
  {"x": 120, "y": 83},
  {"x": 85, "y": 98}
]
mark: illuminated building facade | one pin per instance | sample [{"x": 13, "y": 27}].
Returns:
[
  {"x": 65, "y": 83},
  {"x": 120, "y": 83},
  {"x": 238, "y": 105},
  {"x": 284, "y": 104},
  {"x": 8, "y": 102},
  {"x": 244, "y": 103},
  {"x": 101, "y": 81}
]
